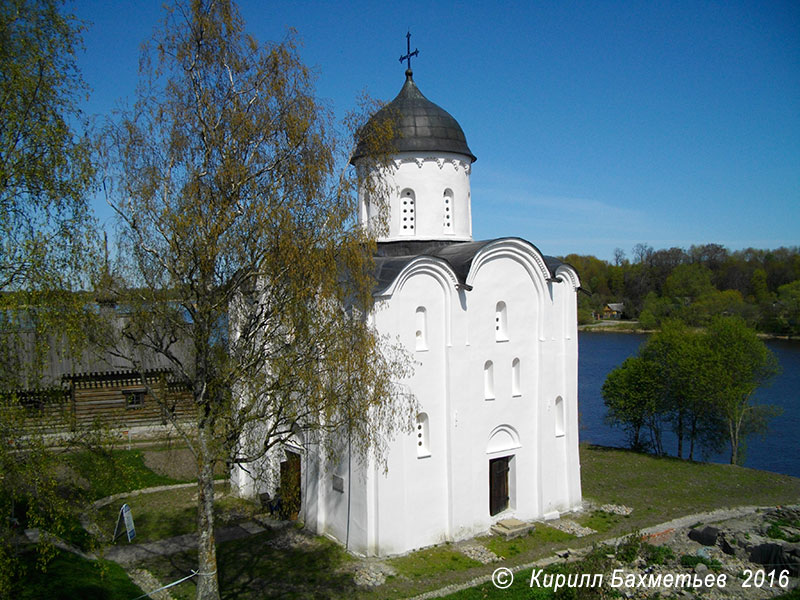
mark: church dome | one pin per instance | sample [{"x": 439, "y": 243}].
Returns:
[{"x": 422, "y": 125}]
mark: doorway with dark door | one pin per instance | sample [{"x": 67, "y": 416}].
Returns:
[
  {"x": 498, "y": 484},
  {"x": 289, "y": 491}
]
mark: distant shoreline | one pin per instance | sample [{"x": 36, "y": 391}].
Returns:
[{"x": 631, "y": 327}]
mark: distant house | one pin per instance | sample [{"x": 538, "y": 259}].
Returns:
[{"x": 613, "y": 310}]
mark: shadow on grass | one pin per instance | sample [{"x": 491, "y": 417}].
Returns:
[
  {"x": 257, "y": 567},
  {"x": 68, "y": 577}
]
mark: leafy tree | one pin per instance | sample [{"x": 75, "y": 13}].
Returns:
[
  {"x": 45, "y": 169},
  {"x": 689, "y": 282},
  {"x": 700, "y": 382},
  {"x": 739, "y": 363},
  {"x": 46, "y": 245},
  {"x": 677, "y": 354},
  {"x": 241, "y": 263},
  {"x": 789, "y": 307},
  {"x": 632, "y": 394}
]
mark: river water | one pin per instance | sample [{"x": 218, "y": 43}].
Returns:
[{"x": 778, "y": 451}]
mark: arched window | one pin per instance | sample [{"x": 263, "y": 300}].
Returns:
[
  {"x": 488, "y": 380},
  {"x": 560, "y": 417},
  {"x": 501, "y": 322},
  {"x": 407, "y": 211},
  {"x": 421, "y": 334},
  {"x": 423, "y": 436},
  {"x": 447, "y": 211},
  {"x": 515, "y": 378}
]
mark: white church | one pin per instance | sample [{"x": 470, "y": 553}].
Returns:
[{"x": 492, "y": 327}]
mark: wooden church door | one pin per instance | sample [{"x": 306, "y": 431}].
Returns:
[
  {"x": 498, "y": 485},
  {"x": 289, "y": 487}
]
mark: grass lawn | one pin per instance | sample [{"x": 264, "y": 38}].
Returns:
[
  {"x": 542, "y": 538},
  {"x": 156, "y": 516},
  {"x": 169, "y": 513},
  {"x": 600, "y": 521},
  {"x": 69, "y": 577},
  {"x": 658, "y": 489},
  {"x": 255, "y": 568},
  {"x": 115, "y": 471},
  {"x": 432, "y": 561}
]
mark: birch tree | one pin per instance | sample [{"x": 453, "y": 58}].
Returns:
[
  {"x": 46, "y": 244},
  {"x": 228, "y": 177}
]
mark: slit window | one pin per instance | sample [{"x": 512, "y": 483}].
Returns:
[
  {"x": 447, "y": 211},
  {"x": 488, "y": 380},
  {"x": 501, "y": 322},
  {"x": 423, "y": 436},
  {"x": 515, "y": 378},
  {"x": 560, "y": 417},
  {"x": 408, "y": 211},
  {"x": 421, "y": 332}
]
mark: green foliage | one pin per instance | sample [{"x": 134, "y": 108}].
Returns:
[
  {"x": 632, "y": 396},
  {"x": 45, "y": 167},
  {"x": 700, "y": 383},
  {"x": 692, "y": 560},
  {"x": 738, "y": 364},
  {"x": 629, "y": 548},
  {"x": 47, "y": 245},
  {"x": 114, "y": 471},
  {"x": 69, "y": 576},
  {"x": 634, "y": 547},
  {"x": 657, "y": 555},
  {"x": 689, "y": 282},
  {"x": 776, "y": 530},
  {"x": 788, "y": 319},
  {"x": 600, "y": 521},
  {"x": 695, "y": 285}
]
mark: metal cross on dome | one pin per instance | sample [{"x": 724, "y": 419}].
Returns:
[{"x": 409, "y": 54}]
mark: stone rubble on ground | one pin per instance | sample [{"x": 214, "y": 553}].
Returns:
[
  {"x": 479, "y": 553},
  {"x": 617, "y": 509},
  {"x": 571, "y": 527},
  {"x": 738, "y": 548},
  {"x": 372, "y": 573}
]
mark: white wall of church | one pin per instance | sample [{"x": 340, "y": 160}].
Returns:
[
  {"x": 412, "y": 496},
  {"x": 512, "y": 417},
  {"x": 429, "y": 198},
  {"x": 427, "y": 498}
]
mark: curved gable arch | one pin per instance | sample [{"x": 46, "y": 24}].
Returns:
[
  {"x": 526, "y": 255},
  {"x": 435, "y": 268},
  {"x": 502, "y": 439},
  {"x": 569, "y": 274}
]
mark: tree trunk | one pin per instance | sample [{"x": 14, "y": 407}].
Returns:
[
  {"x": 679, "y": 433},
  {"x": 734, "y": 431},
  {"x": 207, "y": 581}
]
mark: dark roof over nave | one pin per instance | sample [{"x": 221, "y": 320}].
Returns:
[{"x": 392, "y": 257}]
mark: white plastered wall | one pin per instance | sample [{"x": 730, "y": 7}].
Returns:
[
  {"x": 429, "y": 179},
  {"x": 424, "y": 501}
]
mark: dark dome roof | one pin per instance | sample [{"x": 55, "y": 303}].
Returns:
[{"x": 422, "y": 126}]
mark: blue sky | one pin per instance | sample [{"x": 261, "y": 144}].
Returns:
[{"x": 596, "y": 124}]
